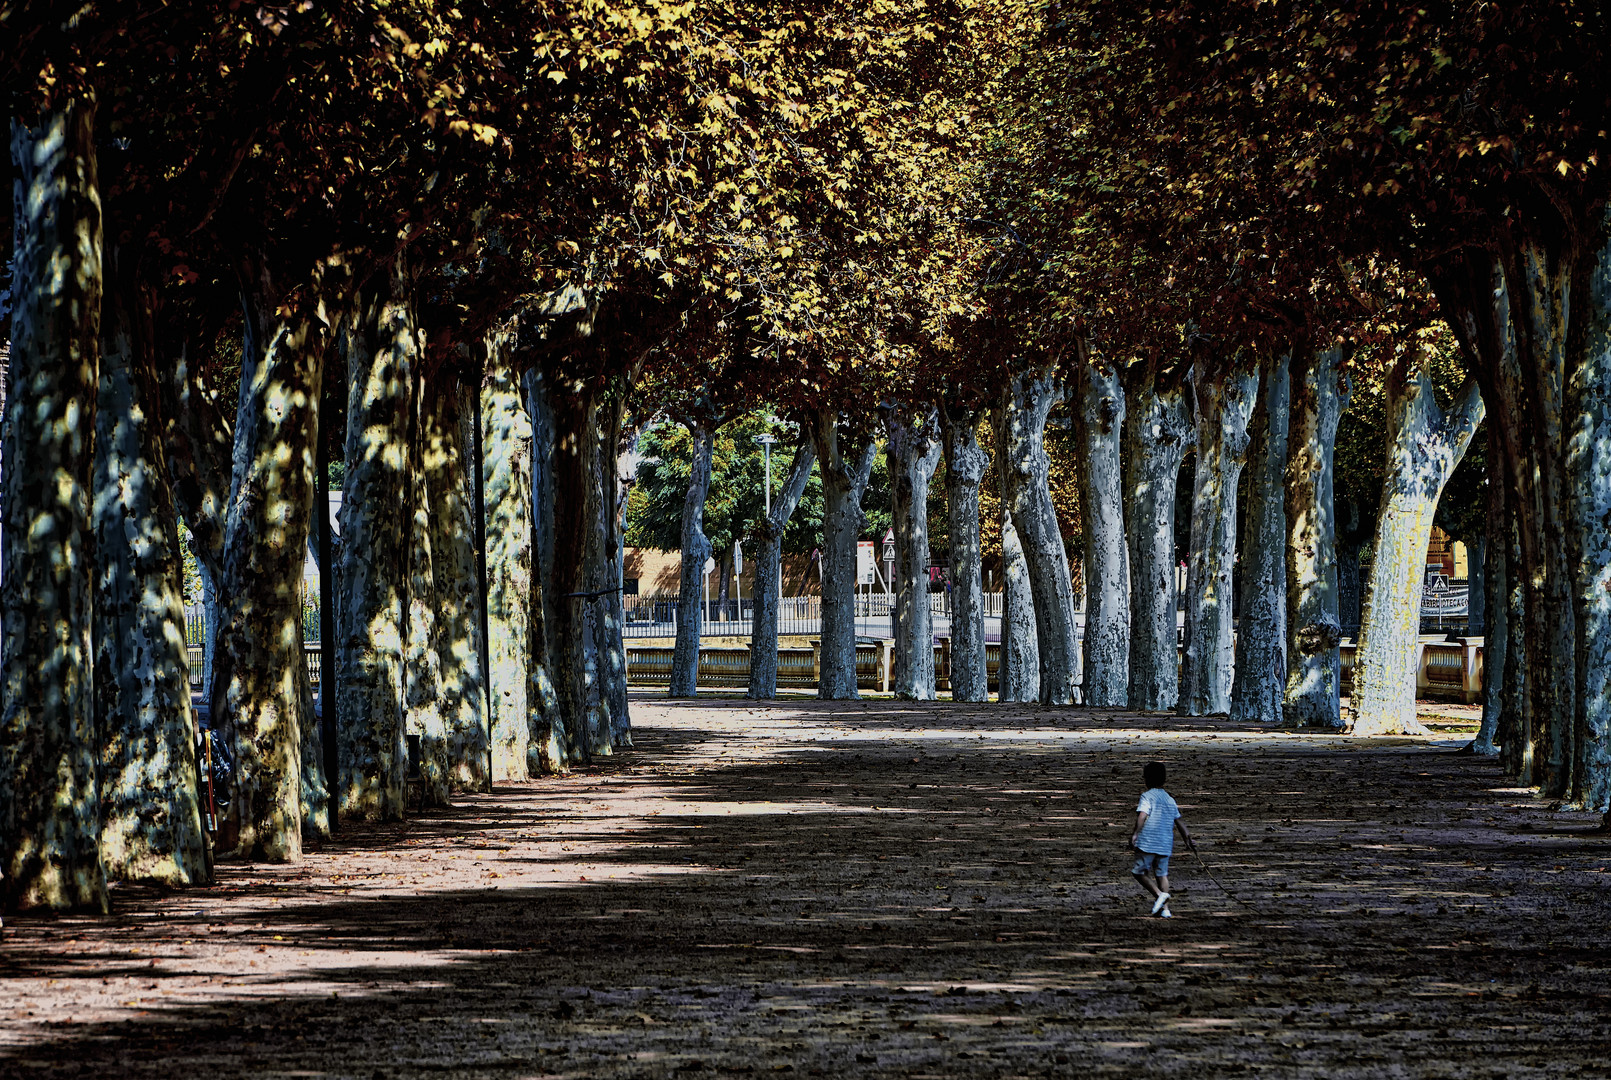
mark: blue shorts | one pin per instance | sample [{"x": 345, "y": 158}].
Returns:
[{"x": 1148, "y": 863}]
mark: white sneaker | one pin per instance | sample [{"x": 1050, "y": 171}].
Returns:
[
  {"x": 1166, "y": 914},
  {"x": 1161, "y": 903}
]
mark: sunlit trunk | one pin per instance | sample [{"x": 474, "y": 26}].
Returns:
[
  {"x": 151, "y": 827},
  {"x": 1261, "y": 629},
  {"x": 965, "y": 467},
  {"x": 1020, "y": 423},
  {"x": 1224, "y": 405},
  {"x": 1018, "y": 676},
  {"x": 50, "y": 828},
  {"x": 257, "y": 694},
  {"x": 1099, "y": 413},
  {"x": 1158, "y": 432},
  {"x": 695, "y": 550},
  {"x": 382, "y": 351},
  {"x": 843, "y": 483},
  {"x": 1313, "y": 631},
  {"x": 768, "y": 568},
  {"x": 1423, "y": 447},
  {"x": 423, "y": 721},
  {"x": 913, "y": 451}
]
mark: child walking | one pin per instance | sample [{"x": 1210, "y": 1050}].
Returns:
[{"x": 1157, "y": 818}]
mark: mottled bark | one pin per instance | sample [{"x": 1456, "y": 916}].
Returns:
[
  {"x": 49, "y": 813},
  {"x": 1158, "y": 432},
  {"x": 913, "y": 452},
  {"x": 1588, "y": 469},
  {"x": 1313, "y": 631},
  {"x": 1423, "y": 447},
  {"x": 151, "y": 826},
  {"x": 1223, "y": 406},
  {"x": 548, "y": 749},
  {"x": 258, "y": 695},
  {"x": 1018, "y": 675},
  {"x": 1261, "y": 638},
  {"x": 695, "y": 550},
  {"x": 1020, "y": 422},
  {"x": 450, "y": 484},
  {"x": 609, "y": 574},
  {"x": 1099, "y": 414},
  {"x": 844, "y": 480},
  {"x": 423, "y": 721},
  {"x": 1496, "y": 584},
  {"x": 965, "y": 466},
  {"x": 768, "y": 578},
  {"x": 506, "y": 490},
  {"x": 382, "y": 346},
  {"x": 1515, "y": 735}
]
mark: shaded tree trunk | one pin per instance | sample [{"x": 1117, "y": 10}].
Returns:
[
  {"x": 913, "y": 451},
  {"x": 457, "y": 586},
  {"x": 549, "y": 739},
  {"x": 1588, "y": 471},
  {"x": 695, "y": 550},
  {"x": 1099, "y": 415},
  {"x": 610, "y": 573},
  {"x": 422, "y": 685},
  {"x": 768, "y": 573},
  {"x": 1423, "y": 447},
  {"x": 1261, "y": 640},
  {"x": 1476, "y": 585},
  {"x": 1496, "y": 583},
  {"x": 1224, "y": 404},
  {"x": 382, "y": 345},
  {"x": 1158, "y": 432},
  {"x": 151, "y": 827},
  {"x": 843, "y": 483},
  {"x": 49, "y": 811},
  {"x": 1020, "y": 423},
  {"x": 257, "y": 693},
  {"x": 1313, "y": 630},
  {"x": 965, "y": 467},
  {"x": 1018, "y": 676}
]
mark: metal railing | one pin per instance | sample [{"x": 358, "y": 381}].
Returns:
[{"x": 657, "y": 616}]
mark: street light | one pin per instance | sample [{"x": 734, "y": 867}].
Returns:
[{"x": 766, "y": 440}]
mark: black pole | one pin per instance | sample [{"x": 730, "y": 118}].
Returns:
[
  {"x": 481, "y": 569},
  {"x": 327, "y": 614}
]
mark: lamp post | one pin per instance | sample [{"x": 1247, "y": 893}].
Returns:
[{"x": 766, "y": 440}]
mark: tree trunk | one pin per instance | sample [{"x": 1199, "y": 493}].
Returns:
[
  {"x": 1157, "y": 433},
  {"x": 457, "y": 585},
  {"x": 695, "y": 550},
  {"x": 610, "y": 573},
  {"x": 506, "y": 478},
  {"x": 843, "y": 483},
  {"x": 151, "y": 826},
  {"x": 1423, "y": 448},
  {"x": 965, "y": 467},
  {"x": 549, "y": 748},
  {"x": 1588, "y": 469},
  {"x": 423, "y": 720},
  {"x": 1313, "y": 631},
  {"x": 1496, "y": 628},
  {"x": 382, "y": 348},
  {"x": 1018, "y": 675},
  {"x": 1476, "y": 585},
  {"x": 1261, "y": 638},
  {"x": 768, "y": 574},
  {"x": 257, "y": 697},
  {"x": 572, "y": 632},
  {"x": 913, "y": 452},
  {"x": 1099, "y": 424},
  {"x": 49, "y": 812},
  {"x": 1224, "y": 404},
  {"x": 1020, "y": 423}
]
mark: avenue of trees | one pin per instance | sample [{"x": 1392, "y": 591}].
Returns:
[{"x": 465, "y": 250}]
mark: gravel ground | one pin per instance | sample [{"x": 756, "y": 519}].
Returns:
[{"x": 873, "y": 889}]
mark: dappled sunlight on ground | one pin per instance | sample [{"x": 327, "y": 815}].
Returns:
[{"x": 873, "y": 888}]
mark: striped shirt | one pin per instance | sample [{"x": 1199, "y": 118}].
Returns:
[{"x": 1158, "y": 833}]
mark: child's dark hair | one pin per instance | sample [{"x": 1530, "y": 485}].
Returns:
[{"x": 1153, "y": 774}]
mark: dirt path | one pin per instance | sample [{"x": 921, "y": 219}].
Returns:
[{"x": 872, "y": 889}]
